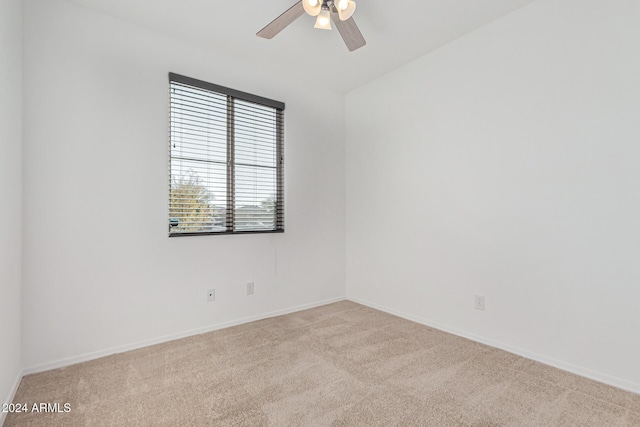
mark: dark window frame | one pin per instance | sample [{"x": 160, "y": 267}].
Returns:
[{"x": 231, "y": 95}]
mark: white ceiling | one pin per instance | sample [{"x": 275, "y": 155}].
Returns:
[{"x": 396, "y": 31}]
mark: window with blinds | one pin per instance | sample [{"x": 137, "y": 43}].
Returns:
[{"x": 226, "y": 167}]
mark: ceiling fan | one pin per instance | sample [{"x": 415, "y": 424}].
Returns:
[{"x": 338, "y": 11}]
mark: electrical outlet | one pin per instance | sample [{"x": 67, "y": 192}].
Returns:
[
  {"x": 479, "y": 302},
  {"x": 250, "y": 288},
  {"x": 211, "y": 295}
]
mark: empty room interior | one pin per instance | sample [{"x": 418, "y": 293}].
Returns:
[{"x": 320, "y": 213}]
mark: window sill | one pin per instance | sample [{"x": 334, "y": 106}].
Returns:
[{"x": 224, "y": 233}]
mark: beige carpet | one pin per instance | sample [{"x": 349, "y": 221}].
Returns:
[{"x": 342, "y": 364}]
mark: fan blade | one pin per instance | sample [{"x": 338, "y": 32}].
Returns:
[
  {"x": 282, "y": 21},
  {"x": 348, "y": 30}
]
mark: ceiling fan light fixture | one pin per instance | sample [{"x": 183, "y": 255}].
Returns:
[
  {"x": 323, "y": 22},
  {"x": 349, "y": 31},
  {"x": 346, "y": 12},
  {"x": 312, "y": 7}
]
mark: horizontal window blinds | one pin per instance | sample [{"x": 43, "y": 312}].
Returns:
[{"x": 226, "y": 160}]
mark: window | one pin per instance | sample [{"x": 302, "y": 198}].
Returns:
[{"x": 226, "y": 160}]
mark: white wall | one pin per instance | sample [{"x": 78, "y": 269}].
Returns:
[
  {"x": 506, "y": 165},
  {"x": 100, "y": 273},
  {"x": 10, "y": 195}
]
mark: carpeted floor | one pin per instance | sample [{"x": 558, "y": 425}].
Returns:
[{"x": 342, "y": 364}]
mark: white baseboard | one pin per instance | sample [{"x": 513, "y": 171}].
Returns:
[
  {"x": 133, "y": 346},
  {"x": 12, "y": 394},
  {"x": 565, "y": 366}
]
